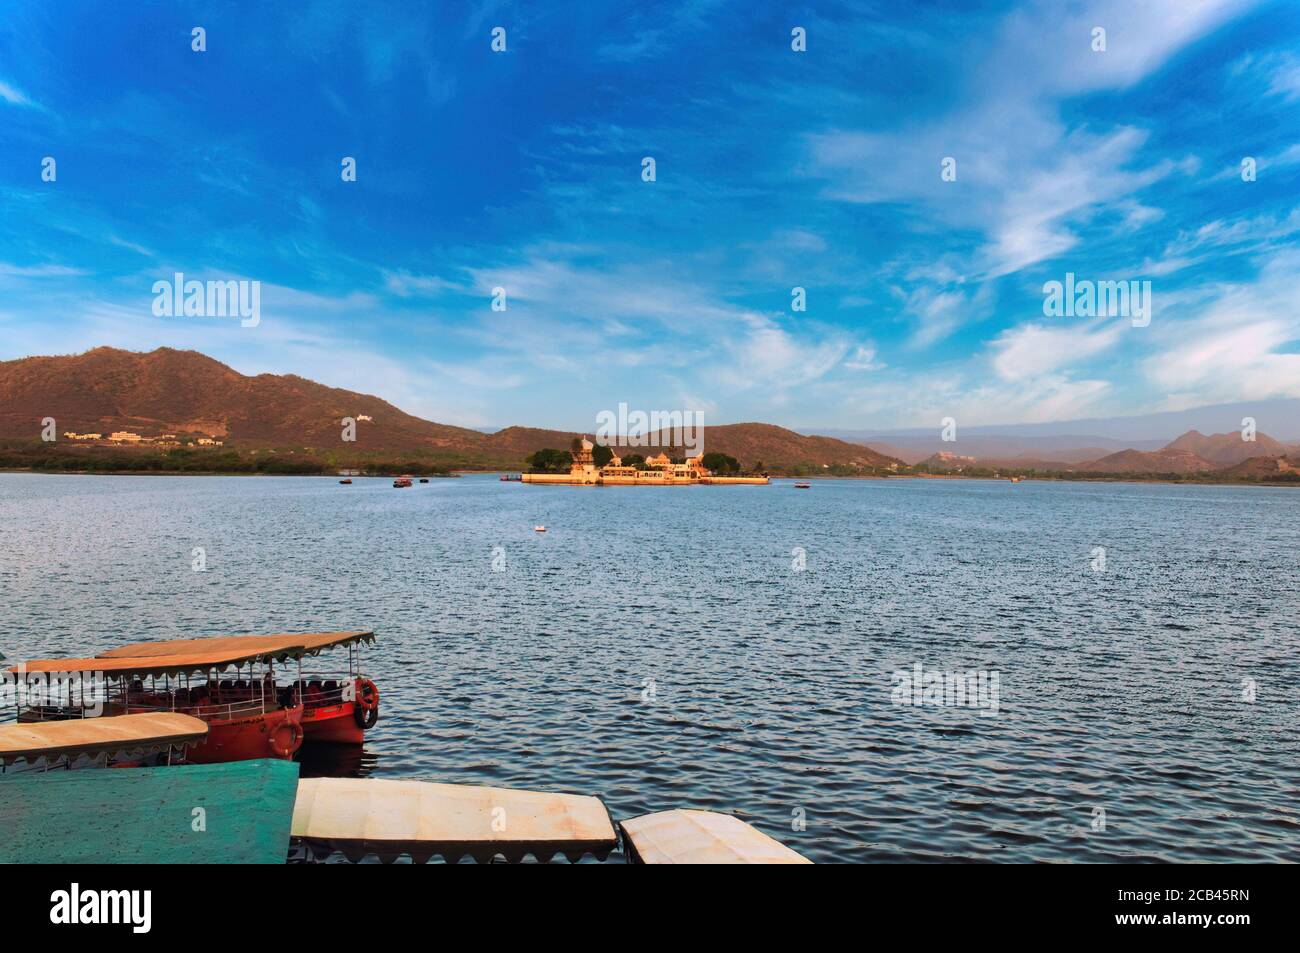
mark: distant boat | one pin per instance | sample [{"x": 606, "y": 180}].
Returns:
[
  {"x": 345, "y": 482},
  {"x": 539, "y": 529},
  {"x": 424, "y": 479},
  {"x": 803, "y": 486},
  {"x": 402, "y": 482}
]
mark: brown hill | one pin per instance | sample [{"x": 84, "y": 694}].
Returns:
[
  {"x": 1265, "y": 468},
  {"x": 750, "y": 443},
  {"x": 170, "y": 391},
  {"x": 775, "y": 446},
  {"x": 1143, "y": 461},
  {"x": 945, "y": 461},
  {"x": 1044, "y": 464},
  {"x": 1227, "y": 449}
]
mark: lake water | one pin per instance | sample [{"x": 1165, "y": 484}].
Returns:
[{"x": 662, "y": 647}]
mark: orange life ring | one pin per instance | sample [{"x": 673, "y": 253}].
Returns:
[
  {"x": 367, "y": 694},
  {"x": 285, "y": 749},
  {"x": 366, "y": 711}
]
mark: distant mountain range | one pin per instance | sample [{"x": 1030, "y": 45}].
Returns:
[
  {"x": 187, "y": 393},
  {"x": 184, "y": 392},
  {"x": 1279, "y": 416},
  {"x": 1193, "y": 452},
  {"x": 1104, "y": 445}
]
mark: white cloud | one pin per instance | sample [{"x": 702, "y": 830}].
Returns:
[
  {"x": 1033, "y": 350},
  {"x": 1242, "y": 347},
  {"x": 1026, "y": 178},
  {"x": 14, "y": 96},
  {"x": 38, "y": 271},
  {"x": 937, "y": 313},
  {"x": 404, "y": 284},
  {"x": 863, "y": 359}
]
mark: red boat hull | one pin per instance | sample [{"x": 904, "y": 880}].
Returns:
[
  {"x": 333, "y": 724},
  {"x": 276, "y": 734}
]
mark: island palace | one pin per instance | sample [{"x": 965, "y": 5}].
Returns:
[{"x": 660, "y": 471}]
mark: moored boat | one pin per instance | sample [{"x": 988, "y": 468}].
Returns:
[
  {"x": 347, "y": 482},
  {"x": 803, "y": 486},
  {"x": 247, "y": 717},
  {"x": 337, "y": 706},
  {"x": 402, "y": 482}
]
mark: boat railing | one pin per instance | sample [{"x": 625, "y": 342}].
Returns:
[
  {"x": 224, "y": 701},
  {"x": 56, "y": 712},
  {"x": 321, "y": 691},
  {"x": 216, "y": 701}
]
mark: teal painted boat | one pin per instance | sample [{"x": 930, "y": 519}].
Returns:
[{"x": 236, "y": 813}]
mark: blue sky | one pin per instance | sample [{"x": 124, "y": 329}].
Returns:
[{"x": 775, "y": 169}]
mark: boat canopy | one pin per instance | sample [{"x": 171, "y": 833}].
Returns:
[
  {"x": 117, "y": 734},
  {"x": 291, "y": 645},
  {"x": 148, "y": 815},
  {"x": 701, "y": 837},
  {"x": 185, "y": 656},
  {"x": 360, "y": 817}
]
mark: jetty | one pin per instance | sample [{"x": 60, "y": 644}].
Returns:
[{"x": 260, "y": 811}]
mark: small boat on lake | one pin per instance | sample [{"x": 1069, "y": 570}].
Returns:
[
  {"x": 539, "y": 529},
  {"x": 346, "y": 482},
  {"x": 803, "y": 486},
  {"x": 402, "y": 483},
  {"x": 424, "y": 479}
]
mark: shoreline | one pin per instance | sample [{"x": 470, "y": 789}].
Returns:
[
  {"x": 453, "y": 474},
  {"x": 239, "y": 473}
]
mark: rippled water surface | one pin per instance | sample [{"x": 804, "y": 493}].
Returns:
[{"x": 657, "y": 646}]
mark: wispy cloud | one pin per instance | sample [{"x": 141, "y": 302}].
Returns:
[{"x": 14, "y": 96}]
